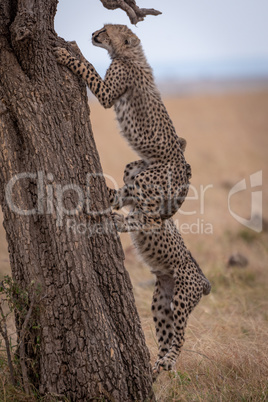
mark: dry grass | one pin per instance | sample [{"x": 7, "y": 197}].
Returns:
[{"x": 225, "y": 357}]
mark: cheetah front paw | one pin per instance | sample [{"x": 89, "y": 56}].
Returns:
[
  {"x": 165, "y": 363},
  {"x": 119, "y": 222},
  {"x": 62, "y": 55}
]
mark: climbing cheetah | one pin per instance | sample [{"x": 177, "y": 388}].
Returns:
[
  {"x": 180, "y": 282},
  {"x": 162, "y": 185}
]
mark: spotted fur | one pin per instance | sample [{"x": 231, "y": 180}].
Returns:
[
  {"x": 155, "y": 186},
  {"x": 180, "y": 282},
  {"x": 161, "y": 187}
]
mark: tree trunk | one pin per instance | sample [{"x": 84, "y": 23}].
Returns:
[{"x": 51, "y": 191}]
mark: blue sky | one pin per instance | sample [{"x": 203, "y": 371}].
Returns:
[{"x": 192, "y": 38}]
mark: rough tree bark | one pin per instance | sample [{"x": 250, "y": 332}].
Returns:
[{"x": 91, "y": 341}]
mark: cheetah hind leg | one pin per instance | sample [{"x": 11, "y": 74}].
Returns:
[
  {"x": 145, "y": 200},
  {"x": 182, "y": 307},
  {"x": 163, "y": 315},
  {"x": 181, "y": 311},
  {"x": 132, "y": 169},
  {"x": 119, "y": 198}
]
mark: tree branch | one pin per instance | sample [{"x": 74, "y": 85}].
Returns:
[{"x": 134, "y": 13}]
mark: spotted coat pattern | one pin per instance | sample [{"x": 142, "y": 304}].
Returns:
[
  {"x": 161, "y": 187},
  {"x": 155, "y": 186},
  {"x": 180, "y": 282}
]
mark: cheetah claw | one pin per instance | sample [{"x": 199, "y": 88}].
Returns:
[
  {"x": 165, "y": 363},
  {"x": 156, "y": 372}
]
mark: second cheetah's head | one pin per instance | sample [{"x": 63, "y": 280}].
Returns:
[{"x": 119, "y": 40}]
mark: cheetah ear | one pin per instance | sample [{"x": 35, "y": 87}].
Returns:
[{"x": 132, "y": 40}]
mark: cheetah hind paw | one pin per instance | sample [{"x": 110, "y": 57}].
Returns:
[{"x": 163, "y": 364}]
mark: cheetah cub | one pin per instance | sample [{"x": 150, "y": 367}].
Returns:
[
  {"x": 180, "y": 282},
  {"x": 162, "y": 185}
]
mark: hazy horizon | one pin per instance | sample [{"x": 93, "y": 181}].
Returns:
[{"x": 190, "y": 39}]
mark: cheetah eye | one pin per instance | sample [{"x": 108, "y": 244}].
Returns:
[{"x": 126, "y": 42}]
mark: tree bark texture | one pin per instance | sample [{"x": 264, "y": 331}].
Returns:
[
  {"x": 91, "y": 341},
  {"x": 134, "y": 13}
]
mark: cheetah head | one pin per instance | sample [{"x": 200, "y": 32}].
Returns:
[{"x": 118, "y": 40}]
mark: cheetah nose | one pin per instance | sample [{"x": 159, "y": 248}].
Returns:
[{"x": 95, "y": 39}]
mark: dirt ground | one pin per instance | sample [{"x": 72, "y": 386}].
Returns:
[{"x": 225, "y": 355}]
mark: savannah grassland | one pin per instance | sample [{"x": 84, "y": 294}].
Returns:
[{"x": 225, "y": 356}]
